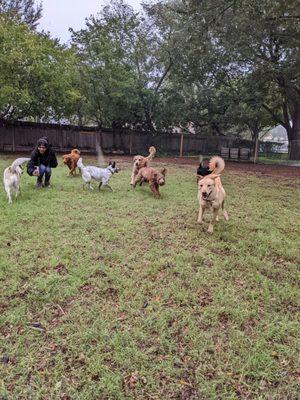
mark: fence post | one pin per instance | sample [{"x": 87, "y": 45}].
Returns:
[
  {"x": 181, "y": 145},
  {"x": 130, "y": 143},
  {"x": 13, "y": 140}
]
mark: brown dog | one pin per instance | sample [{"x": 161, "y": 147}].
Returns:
[
  {"x": 71, "y": 161},
  {"x": 141, "y": 162},
  {"x": 211, "y": 194},
  {"x": 154, "y": 177}
]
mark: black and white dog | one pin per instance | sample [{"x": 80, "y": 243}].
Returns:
[{"x": 101, "y": 175}]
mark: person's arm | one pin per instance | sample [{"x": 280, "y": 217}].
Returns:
[
  {"x": 32, "y": 163},
  {"x": 53, "y": 160}
]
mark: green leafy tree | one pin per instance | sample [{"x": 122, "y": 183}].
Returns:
[
  {"x": 22, "y": 10},
  {"x": 124, "y": 64},
  {"x": 35, "y": 74},
  {"x": 225, "y": 40}
]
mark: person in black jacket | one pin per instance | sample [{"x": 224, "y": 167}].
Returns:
[
  {"x": 44, "y": 158},
  {"x": 203, "y": 170}
]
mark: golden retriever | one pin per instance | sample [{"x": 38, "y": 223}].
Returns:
[
  {"x": 154, "y": 177},
  {"x": 211, "y": 194},
  {"x": 141, "y": 162},
  {"x": 71, "y": 160}
]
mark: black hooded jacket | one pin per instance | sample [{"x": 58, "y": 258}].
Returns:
[
  {"x": 47, "y": 159},
  {"x": 203, "y": 171}
]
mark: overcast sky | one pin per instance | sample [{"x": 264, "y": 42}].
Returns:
[{"x": 60, "y": 15}]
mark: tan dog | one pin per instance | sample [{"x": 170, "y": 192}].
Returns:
[
  {"x": 154, "y": 177},
  {"x": 211, "y": 194},
  {"x": 71, "y": 161},
  {"x": 141, "y": 162}
]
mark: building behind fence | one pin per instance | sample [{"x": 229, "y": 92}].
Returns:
[{"x": 22, "y": 137}]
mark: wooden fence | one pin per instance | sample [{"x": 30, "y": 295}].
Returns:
[{"x": 22, "y": 136}]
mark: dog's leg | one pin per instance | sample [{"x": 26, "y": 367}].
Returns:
[
  {"x": 200, "y": 215},
  {"x": 100, "y": 184},
  {"x": 73, "y": 169},
  {"x": 136, "y": 180},
  {"x": 154, "y": 189},
  {"x": 133, "y": 176},
  {"x": 7, "y": 189},
  {"x": 213, "y": 220},
  {"x": 225, "y": 212},
  {"x": 109, "y": 187}
]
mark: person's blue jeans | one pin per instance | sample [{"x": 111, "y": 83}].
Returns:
[{"x": 43, "y": 170}]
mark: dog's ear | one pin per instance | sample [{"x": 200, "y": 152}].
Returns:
[
  {"x": 113, "y": 164},
  {"x": 164, "y": 171}
]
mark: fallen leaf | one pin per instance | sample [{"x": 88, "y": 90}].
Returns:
[{"x": 133, "y": 380}]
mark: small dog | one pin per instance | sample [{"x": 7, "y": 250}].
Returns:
[
  {"x": 71, "y": 160},
  {"x": 12, "y": 177},
  {"x": 101, "y": 175},
  {"x": 141, "y": 162},
  {"x": 211, "y": 194},
  {"x": 154, "y": 177}
]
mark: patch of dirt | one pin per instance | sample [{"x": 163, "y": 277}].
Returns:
[{"x": 238, "y": 167}]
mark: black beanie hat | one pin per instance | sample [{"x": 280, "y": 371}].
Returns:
[{"x": 43, "y": 141}]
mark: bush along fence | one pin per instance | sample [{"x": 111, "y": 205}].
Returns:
[{"x": 22, "y": 136}]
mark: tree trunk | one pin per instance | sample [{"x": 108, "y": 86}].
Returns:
[
  {"x": 255, "y": 138},
  {"x": 294, "y": 148},
  {"x": 256, "y": 149},
  {"x": 294, "y": 135}
]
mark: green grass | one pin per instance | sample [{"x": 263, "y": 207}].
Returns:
[{"x": 138, "y": 301}]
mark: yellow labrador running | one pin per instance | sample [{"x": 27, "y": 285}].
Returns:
[{"x": 211, "y": 194}]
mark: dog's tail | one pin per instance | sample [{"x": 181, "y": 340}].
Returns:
[
  {"x": 152, "y": 151},
  {"x": 17, "y": 163},
  {"x": 216, "y": 164},
  {"x": 76, "y": 151}
]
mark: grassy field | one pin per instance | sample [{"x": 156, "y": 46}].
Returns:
[{"x": 123, "y": 296}]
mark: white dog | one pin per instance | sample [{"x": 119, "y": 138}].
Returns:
[
  {"x": 101, "y": 175},
  {"x": 12, "y": 177}
]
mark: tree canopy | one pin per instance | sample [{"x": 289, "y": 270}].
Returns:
[
  {"x": 35, "y": 73},
  {"x": 225, "y": 66},
  {"x": 22, "y": 10}
]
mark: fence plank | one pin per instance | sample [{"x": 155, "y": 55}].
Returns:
[{"x": 24, "y": 135}]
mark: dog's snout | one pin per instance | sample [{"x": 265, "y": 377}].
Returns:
[{"x": 204, "y": 194}]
